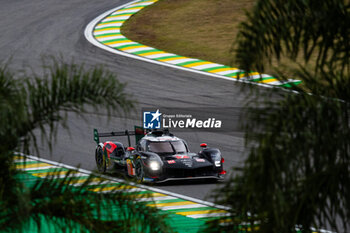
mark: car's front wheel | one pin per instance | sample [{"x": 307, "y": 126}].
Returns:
[
  {"x": 139, "y": 170},
  {"x": 100, "y": 161}
]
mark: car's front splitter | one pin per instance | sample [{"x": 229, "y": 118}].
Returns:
[{"x": 155, "y": 180}]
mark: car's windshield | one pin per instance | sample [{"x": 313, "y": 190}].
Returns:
[
  {"x": 167, "y": 147},
  {"x": 179, "y": 146}
]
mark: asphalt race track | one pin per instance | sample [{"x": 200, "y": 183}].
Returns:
[{"x": 33, "y": 29}]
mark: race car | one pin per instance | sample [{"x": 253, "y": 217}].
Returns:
[{"x": 159, "y": 156}]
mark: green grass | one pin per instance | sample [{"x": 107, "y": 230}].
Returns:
[{"x": 204, "y": 29}]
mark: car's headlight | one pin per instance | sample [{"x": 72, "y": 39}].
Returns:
[{"x": 154, "y": 165}]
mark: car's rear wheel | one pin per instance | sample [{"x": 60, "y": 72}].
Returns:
[
  {"x": 100, "y": 161},
  {"x": 139, "y": 170}
]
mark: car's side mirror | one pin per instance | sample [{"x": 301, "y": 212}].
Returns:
[
  {"x": 204, "y": 145},
  {"x": 130, "y": 148}
]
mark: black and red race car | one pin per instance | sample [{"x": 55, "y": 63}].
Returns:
[{"x": 158, "y": 156}]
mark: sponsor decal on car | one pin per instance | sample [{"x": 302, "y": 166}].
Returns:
[
  {"x": 200, "y": 160},
  {"x": 187, "y": 162},
  {"x": 181, "y": 156},
  {"x": 130, "y": 167},
  {"x": 146, "y": 179},
  {"x": 171, "y": 161}
]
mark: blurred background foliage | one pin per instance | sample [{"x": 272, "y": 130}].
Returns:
[{"x": 296, "y": 177}]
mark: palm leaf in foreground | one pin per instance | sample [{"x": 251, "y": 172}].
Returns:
[
  {"x": 304, "y": 28},
  {"x": 38, "y": 102},
  {"x": 297, "y": 172},
  {"x": 69, "y": 88},
  {"x": 57, "y": 205}
]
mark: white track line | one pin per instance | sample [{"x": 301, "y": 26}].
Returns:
[
  {"x": 229, "y": 71},
  {"x": 23, "y": 160},
  {"x": 35, "y": 168},
  {"x": 111, "y": 38},
  {"x": 146, "y": 199},
  {"x": 93, "y": 183},
  {"x": 89, "y": 36},
  {"x": 61, "y": 176},
  {"x": 122, "y": 190},
  {"x": 202, "y": 67},
  {"x": 208, "y": 215},
  {"x": 178, "y": 207},
  {"x": 201, "y": 203},
  {"x": 179, "y": 196}
]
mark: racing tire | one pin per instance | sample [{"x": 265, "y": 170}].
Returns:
[
  {"x": 139, "y": 173},
  {"x": 100, "y": 161}
]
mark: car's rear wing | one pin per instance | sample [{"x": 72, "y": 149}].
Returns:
[{"x": 139, "y": 132}]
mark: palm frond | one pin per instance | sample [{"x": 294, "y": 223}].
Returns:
[
  {"x": 297, "y": 172},
  {"x": 70, "y": 88},
  {"x": 40, "y": 101},
  {"x": 56, "y": 204},
  {"x": 290, "y": 28}
]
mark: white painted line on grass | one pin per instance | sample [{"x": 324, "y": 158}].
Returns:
[
  {"x": 23, "y": 160},
  {"x": 89, "y": 36},
  {"x": 208, "y": 215},
  {"x": 109, "y": 25},
  {"x": 93, "y": 183},
  {"x": 62, "y": 175},
  {"x": 111, "y": 38},
  {"x": 132, "y": 190},
  {"x": 137, "y": 49},
  {"x": 35, "y": 168},
  {"x": 207, "y": 66},
  {"x": 156, "y": 190},
  {"x": 229, "y": 72},
  {"x": 190, "y": 206},
  {"x": 146, "y": 199},
  {"x": 160, "y": 55},
  {"x": 96, "y": 33}
]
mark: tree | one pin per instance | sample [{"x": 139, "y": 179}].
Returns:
[
  {"x": 296, "y": 177},
  {"x": 36, "y": 102},
  {"x": 310, "y": 29}
]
